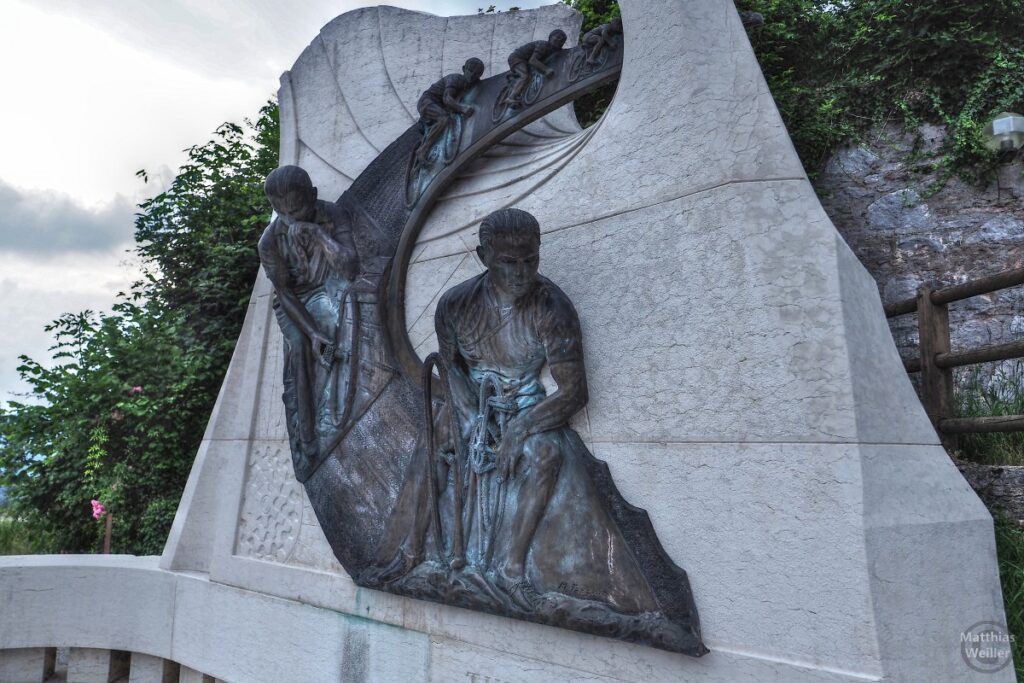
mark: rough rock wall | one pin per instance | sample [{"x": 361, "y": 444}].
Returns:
[{"x": 877, "y": 195}]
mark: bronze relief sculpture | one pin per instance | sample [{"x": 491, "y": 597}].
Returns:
[
  {"x": 442, "y": 108},
  {"x": 467, "y": 486}
]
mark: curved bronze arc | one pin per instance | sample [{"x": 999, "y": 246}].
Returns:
[{"x": 563, "y": 93}]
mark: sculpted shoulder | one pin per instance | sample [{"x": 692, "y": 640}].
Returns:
[
  {"x": 553, "y": 300},
  {"x": 267, "y": 243},
  {"x": 461, "y": 294}
]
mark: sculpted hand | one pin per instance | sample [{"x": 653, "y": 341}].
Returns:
[
  {"x": 511, "y": 451},
  {"x": 320, "y": 344},
  {"x": 443, "y": 442},
  {"x": 301, "y": 229},
  {"x": 549, "y": 73},
  {"x": 468, "y": 110}
]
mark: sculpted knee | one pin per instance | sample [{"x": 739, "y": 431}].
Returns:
[{"x": 543, "y": 453}]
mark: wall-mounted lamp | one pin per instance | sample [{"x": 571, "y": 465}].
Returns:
[{"x": 1005, "y": 133}]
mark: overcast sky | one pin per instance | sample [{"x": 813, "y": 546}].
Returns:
[{"x": 95, "y": 90}]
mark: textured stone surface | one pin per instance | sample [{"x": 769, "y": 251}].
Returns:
[
  {"x": 1000, "y": 486},
  {"x": 149, "y": 669},
  {"x": 271, "y": 517},
  {"x": 238, "y": 635},
  {"x": 94, "y": 665},
  {"x": 813, "y": 343},
  {"x": 880, "y": 196},
  {"x": 187, "y": 675},
  {"x": 25, "y": 665}
]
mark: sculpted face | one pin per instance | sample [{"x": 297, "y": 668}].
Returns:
[
  {"x": 297, "y": 205},
  {"x": 512, "y": 264}
]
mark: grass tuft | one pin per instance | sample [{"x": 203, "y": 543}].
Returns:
[
  {"x": 15, "y": 538},
  {"x": 982, "y": 394},
  {"x": 1010, "y": 546}
]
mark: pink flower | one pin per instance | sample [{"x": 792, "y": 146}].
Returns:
[
  {"x": 98, "y": 510},
  {"x": 136, "y": 390}
]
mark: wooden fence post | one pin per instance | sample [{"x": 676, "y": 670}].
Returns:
[{"x": 936, "y": 382}]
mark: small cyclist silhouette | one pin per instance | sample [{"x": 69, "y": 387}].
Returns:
[{"x": 528, "y": 71}]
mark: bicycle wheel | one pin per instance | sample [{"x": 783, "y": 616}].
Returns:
[
  {"x": 577, "y": 65},
  {"x": 533, "y": 89},
  {"x": 501, "y": 104},
  {"x": 451, "y": 139}
]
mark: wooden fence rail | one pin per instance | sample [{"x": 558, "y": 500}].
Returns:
[{"x": 937, "y": 359}]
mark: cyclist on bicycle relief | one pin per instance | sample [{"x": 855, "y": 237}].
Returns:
[
  {"x": 441, "y": 100},
  {"x": 529, "y": 59}
]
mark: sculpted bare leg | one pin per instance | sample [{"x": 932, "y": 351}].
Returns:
[{"x": 538, "y": 470}]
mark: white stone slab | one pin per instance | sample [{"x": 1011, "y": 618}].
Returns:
[
  {"x": 148, "y": 669},
  {"x": 187, "y": 675},
  {"x": 95, "y": 665},
  {"x": 26, "y": 665},
  {"x": 110, "y": 602}
]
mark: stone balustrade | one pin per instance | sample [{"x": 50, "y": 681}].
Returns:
[{"x": 124, "y": 618}]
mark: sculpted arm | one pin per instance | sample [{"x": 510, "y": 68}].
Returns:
[
  {"x": 537, "y": 63},
  {"x": 461, "y": 385},
  {"x": 563, "y": 341},
  {"x": 275, "y": 271},
  {"x": 558, "y": 407},
  {"x": 552, "y": 412},
  {"x": 451, "y": 101},
  {"x": 340, "y": 253}
]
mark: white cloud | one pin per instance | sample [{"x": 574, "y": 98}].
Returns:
[
  {"x": 100, "y": 89},
  {"x": 238, "y": 39},
  {"x": 50, "y": 223},
  {"x": 36, "y": 290},
  {"x": 90, "y": 110}
]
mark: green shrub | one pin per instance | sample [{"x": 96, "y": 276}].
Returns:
[
  {"x": 16, "y": 538},
  {"x": 118, "y": 412},
  {"x": 1010, "y": 546}
]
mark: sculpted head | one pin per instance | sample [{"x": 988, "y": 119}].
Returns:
[
  {"x": 557, "y": 38},
  {"x": 473, "y": 69},
  {"x": 291, "y": 193},
  {"x": 510, "y": 249}
]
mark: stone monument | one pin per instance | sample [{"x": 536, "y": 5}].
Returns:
[{"x": 742, "y": 387}]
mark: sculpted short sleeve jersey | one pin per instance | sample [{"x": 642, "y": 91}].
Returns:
[
  {"x": 512, "y": 341},
  {"x": 435, "y": 92},
  {"x": 542, "y": 48}
]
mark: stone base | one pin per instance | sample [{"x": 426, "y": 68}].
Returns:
[
  {"x": 26, "y": 665},
  {"x": 836, "y": 594}
]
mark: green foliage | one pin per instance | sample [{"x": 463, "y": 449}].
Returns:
[
  {"x": 591, "y": 106},
  {"x": 491, "y": 9},
  {"x": 595, "y": 12},
  {"x": 797, "y": 49},
  {"x": 981, "y": 395},
  {"x": 1010, "y": 547},
  {"x": 16, "y": 538},
  {"x": 119, "y": 412},
  {"x": 837, "y": 69}
]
